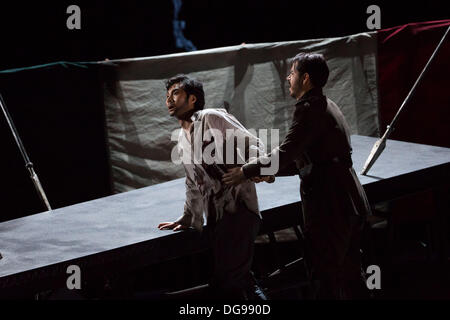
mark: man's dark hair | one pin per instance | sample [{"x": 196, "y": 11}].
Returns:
[
  {"x": 315, "y": 65},
  {"x": 190, "y": 86}
]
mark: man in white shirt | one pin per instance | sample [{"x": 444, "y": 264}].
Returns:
[{"x": 231, "y": 212}]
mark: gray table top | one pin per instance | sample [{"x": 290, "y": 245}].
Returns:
[{"x": 124, "y": 219}]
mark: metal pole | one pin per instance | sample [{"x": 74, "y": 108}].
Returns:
[
  {"x": 28, "y": 163},
  {"x": 380, "y": 144}
]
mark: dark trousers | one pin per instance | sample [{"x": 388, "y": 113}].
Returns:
[
  {"x": 337, "y": 271},
  {"x": 233, "y": 239}
]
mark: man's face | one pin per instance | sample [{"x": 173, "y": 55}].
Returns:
[
  {"x": 177, "y": 101},
  {"x": 295, "y": 80}
]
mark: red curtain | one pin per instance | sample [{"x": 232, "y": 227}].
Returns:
[{"x": 403, "y": 52}]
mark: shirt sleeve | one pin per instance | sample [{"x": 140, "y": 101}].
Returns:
[
  {"x": 304, "y": 129},
  {"x": 246, "y": 145},
  {"x": 193, "y": 207}
]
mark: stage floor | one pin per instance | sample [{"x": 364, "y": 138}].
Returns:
[{"x": 121, "y": 221}]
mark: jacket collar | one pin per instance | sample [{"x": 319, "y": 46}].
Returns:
[{"x": 311, "y": 93}]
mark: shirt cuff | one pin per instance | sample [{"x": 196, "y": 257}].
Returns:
[{"x": 190, "y": 221}]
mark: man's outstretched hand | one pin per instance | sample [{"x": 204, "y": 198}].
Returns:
[
  {"x": 171, "y": 225},
  {"x": 233, "y": 176}
]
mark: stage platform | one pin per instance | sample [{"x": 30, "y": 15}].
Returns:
[{"x": 120, "y": 232}]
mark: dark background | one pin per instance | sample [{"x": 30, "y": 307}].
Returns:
[
  {"x": 35, "y": 32},
  {"x": 58, "y": 110}
]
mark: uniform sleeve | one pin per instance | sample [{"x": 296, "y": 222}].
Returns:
[
  {"x": 289, "y": 170},
  {"x": 304, "y": 129},
  {"x": 193, "y": 206}
]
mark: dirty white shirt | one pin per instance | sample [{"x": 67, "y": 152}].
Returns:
[{"x": 204, "y": 157}]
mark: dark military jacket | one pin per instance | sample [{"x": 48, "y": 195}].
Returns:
[{"x": 317, "y": 147}]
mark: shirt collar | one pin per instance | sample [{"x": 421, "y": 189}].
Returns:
[{"x": 195, "y": 115}]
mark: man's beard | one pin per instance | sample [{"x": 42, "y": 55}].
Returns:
[
  {"x": 293, "y": 93},
  {"x": 186, "y": 115}
]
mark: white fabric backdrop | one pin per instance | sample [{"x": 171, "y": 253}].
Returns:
[{"x": 248, "y": 80}]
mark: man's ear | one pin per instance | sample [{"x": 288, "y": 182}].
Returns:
[
  {"x": 192, "y": 99},
  {"x": 306, "y": 78}
]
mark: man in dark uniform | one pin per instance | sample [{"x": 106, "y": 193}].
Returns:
[{"x": 317, "y": 147}]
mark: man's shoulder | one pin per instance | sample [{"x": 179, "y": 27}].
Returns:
[
  {"x": 219, "y": 118},
  {"x": 312, "y": 104},
  {"x": 213, "y": 114}
]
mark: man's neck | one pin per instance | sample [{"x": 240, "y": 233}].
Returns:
[
  {"x": 304, "y": 92},
  {"x": 185, "y": 124}
]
